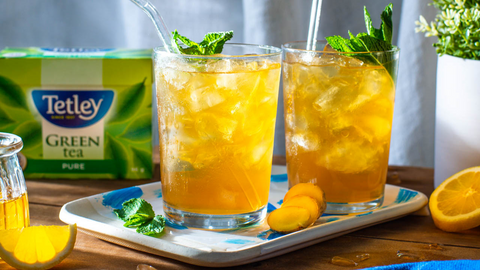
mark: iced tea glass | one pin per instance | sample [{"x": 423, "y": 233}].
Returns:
[
  {"x": 338, "y": 121},
  {"x": 216, "y": 126},
  {"x": 14, "y": 212}
]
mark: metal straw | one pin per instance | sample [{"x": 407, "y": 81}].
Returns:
[
  {"x": 314, "y": 23},
  {"x": 160, "y": 25}
]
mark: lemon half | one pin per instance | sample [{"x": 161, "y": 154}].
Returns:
[
  {"x": 455, "y": 204},
  {"x": 37, "y": 247}
]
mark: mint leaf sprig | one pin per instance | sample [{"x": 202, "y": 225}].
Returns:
[
  {"x": 138, "y": 213},
  {"x": 375, "y": 40},
  {"x": 212, "y": 43}
]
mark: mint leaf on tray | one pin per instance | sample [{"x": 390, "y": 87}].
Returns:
[
  {"x": 133, "y": 208},
  {"x": 138, "y": 213},
  {"x": 152, "y": 227},
  {"x": 211, "y": 44}
]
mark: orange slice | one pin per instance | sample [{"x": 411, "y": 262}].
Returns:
[
  {"x": 37, "y": 247},
  {"x": 455, "y": 204}
]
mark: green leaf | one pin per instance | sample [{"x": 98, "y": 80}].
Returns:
[
  {"x": 356, "y": 43},
  {"x": 386, "y": 28},
  {"x": 135, "y": 221},
  {"x": 372, "y": 41},
  {"x": 375, "y": 40},
  {"x": 139, "y": 129},
  {"x": 128, "y": 102},
  {"x": 114, "y": 150},
  {"x": 31, "y": 134},
  {"x": 139, "y": 213},
  {"x": 372, "y": 31},
  {"x": 387, "y": 23},
  {"x": 193, "y": 47},
  {"x": 5, "y": 120},
  {"x": 135, "y": 209},
  {"x": 212, "y": 43},
  {"x": 142, "y": 160},
  {"x": 373, "y": 44},
  {"x": 11, "y": 94},
  {"x": 153, "y": 227},
  {"x": 339, "y": 43}
]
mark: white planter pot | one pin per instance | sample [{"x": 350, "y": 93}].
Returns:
[{"x": 457, "y": 118}]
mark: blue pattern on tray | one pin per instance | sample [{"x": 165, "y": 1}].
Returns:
[
  {"x": 239, "y": 241},
  {"x": 175, "y": 226},
  {"x": 270, "y": 207},
  {"x": 405, "y": 195},
  {"x": 331, "y": 219},
  {"x": 327, "y": 214},
  {"x": 365, "y": 214},
  {"x": 278, "y": 178},
  {"x": 115, "y": 198},
  {"x": 158, "y": 193}
]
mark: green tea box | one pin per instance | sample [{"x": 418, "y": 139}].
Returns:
[{"x": 82, "y": 113}]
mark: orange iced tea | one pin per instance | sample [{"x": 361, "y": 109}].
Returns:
[
  {"x": 338, "y": 121},
  {"x": 216, "y": 126}
]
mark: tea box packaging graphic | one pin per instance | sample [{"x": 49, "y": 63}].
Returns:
[{"x": 82, "y": 113}]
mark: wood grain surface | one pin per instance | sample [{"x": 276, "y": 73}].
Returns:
[{"x": 413, "y": 233}]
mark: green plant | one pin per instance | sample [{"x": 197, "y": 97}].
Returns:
[{"x": 457, "y": 27}]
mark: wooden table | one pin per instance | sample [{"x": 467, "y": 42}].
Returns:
[{"x": 413, "y": 233}]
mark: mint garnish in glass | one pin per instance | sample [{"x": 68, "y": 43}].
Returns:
[
  {"x": 375, "y": 40},
  {"x": 211, "y": 44}
]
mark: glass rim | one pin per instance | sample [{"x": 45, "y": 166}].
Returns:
[
  {"x": 277, "y": 51},
  {"x": 12, "y": 148},
  {"x": 285, "y": 47}
]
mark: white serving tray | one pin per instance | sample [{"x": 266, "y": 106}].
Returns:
[{"x": 94, "y": 215}]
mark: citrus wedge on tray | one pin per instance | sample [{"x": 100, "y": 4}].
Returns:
[
  {"x": 37, "y": 247},
  {"x": 455, "y": 204}
]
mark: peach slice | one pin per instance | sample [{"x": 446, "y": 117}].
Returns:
[
  {"x": 306, "y": 202},
  {"x": 308, "y": 189},
  {"x": 289, "y": 219}
]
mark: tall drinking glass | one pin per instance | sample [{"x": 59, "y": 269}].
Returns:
[
  {"x": 216, "y": 127},
  {"x": 338, "y": 121},
  {"x": 14, "y": 211}
]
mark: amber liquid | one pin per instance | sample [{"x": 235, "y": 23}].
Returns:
[
  {"x": 216, "y": 138},
  {"x": 338, "y": 120},
  {"x": 14, "y": 213}
]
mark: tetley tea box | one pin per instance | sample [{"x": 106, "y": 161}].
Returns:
[{"x": 82, "y": 113}]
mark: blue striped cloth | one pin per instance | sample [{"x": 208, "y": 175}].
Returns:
[{"x": 432, "y": 265}]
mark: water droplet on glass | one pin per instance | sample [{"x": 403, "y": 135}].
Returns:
[
  {"x": 337, "y": 260},
  {"x": 362, "y": 257},
  {"x": 409, "y": 255}
]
